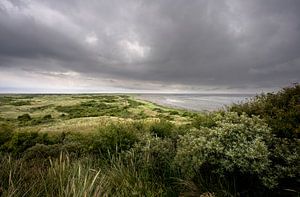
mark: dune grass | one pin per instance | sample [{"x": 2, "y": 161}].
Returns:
[{"x": 114, "y": 145}]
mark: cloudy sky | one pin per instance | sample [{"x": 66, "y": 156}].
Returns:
[{"x": 148, "y": 46}]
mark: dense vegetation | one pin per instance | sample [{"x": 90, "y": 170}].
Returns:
[{"x": 251, "y": 149}]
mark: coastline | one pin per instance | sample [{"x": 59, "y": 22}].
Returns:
[{"x": 194, "y": 102}]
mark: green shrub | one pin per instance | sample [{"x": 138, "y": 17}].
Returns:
[
  {"x": 95, "y": 108},
  {"x": 204, "y": 120},
  {"x": 236, "y": 145},
  {"x": 42, "y": 152},
  {"x": 224, "y": 153},
  {"x": 41, "y": 108},
  {"x": 6, "y": 133},
  {"x": 51, "y": 138},
  {"x": 24, "y": 117},
  {"x": 162, "y": 128},
  {"x": 134, "y": 103},
  {"x": 20, "y": 103},
  {"x": 114, "y": 138},
  {"x": 47, "y": 117},
  {"x": 155, "y": 155},
  {"x": 85, "y": 109},
  {"x": 285, "y": 162},
  {"x": 159, "y": 110},
  {"x": 5, "y": 100},
  {"x": 186, "y": 114},
  {"x": 43, "y": 120},
  {"x": 21, "y": 141},
  {"x": 140, "y": 126},
  {"x": 142, "y": 115},
  {"x": 174, "y": 112},
  {"x": 281, "y": 111}
]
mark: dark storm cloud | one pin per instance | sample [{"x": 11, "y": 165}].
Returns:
[{"x": 228, "y": 43}]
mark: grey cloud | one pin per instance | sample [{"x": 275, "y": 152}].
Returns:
[{"x": 213, "y": 43}]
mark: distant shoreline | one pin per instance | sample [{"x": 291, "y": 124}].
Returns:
[
  {"x": 124, "y": 93},
  {"x": 198, "y": 102},
  {"x": 194, "y": 102}
]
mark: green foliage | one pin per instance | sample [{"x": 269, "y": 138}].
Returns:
[
  {"x": 204, "y": 120},
  {"x": 190, "y": 114},
  {"x": 220, "y": 153},
  {"x": 165, "y": 117},
  {"x": 27, "y": 120},
  {"x": 126, "y": 177},
  {"x": 42, "y": 152},
  {"x": 16, "y": 177},
  {"x": 20, "y": 141},
  {"x": 5, "y": 100},
  {"x": 15, "y": 101},
  {"x": 280, "y": 110},
  {"x": 6, "y": 133},
  {"x": 24, "y": 117},
  {"x": 235, "y": 145},
  {"x": 115, "y": 138},
  {"x": 174, "y": 112},
  {"x": 85, "y": 109},
  {"x": 46, "y": 119},
  {"x": 155, "y": 154},
  {"x": 40, "y": 108},
  {"x": 159, "y": 110},
  {"x": 59, "y": 177},
  {"x": 94, "y": 108},
  {"x": 162, "y": 128},
  {"x": 133, "y": 103},
  {"x": 142, "y": 115},
  {"x": 66, "y": 179},
  {"x": 285, "y": 162},
  {"x": 64, "y": 176},
  {"x": 20, "y": 103}
]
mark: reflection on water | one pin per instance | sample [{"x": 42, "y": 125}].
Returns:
[{"x": 196, "y": 102}]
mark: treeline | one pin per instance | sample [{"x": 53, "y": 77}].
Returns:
[{"x": 251, "y": 149}]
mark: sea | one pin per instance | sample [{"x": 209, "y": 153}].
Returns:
[{"x": 196, "y": 102}]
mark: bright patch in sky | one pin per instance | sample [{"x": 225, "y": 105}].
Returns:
[
  {"x": 91, "y": 39},
  {"x": 134, "y": 50}
]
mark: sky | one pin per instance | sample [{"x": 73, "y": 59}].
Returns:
[{"x": 179, "y": 46}]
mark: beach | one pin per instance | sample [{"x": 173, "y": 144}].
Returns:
[{"x": 196, "y": 102}]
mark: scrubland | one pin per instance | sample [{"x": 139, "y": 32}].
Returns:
[{"x": 116, "y": 145}]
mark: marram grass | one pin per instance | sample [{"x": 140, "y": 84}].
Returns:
[{"x": 101, "y": 145}]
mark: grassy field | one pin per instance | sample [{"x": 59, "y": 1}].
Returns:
[
  {"x": 84, "y": 113},
  {"x": 117, "y": 145}
]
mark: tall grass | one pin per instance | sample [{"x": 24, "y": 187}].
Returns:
[
  {"x": 58, "y": 177},
  {"x": 66, "y": 177},
  {"x": 218, "y": 154}
]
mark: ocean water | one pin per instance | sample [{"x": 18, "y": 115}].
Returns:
[{"x": 196, "y": 102}]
